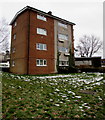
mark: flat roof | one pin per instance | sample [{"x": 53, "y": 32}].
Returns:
[
  {"x": 86, "y": 58},
  {"x": 42, "y": 13}
]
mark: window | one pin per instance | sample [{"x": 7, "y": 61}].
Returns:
[
  {"x": 63, "y": 63},
  {"x": 41, "y": 17},
  {"x": 13, "y": 50},
  {"x": 62, "y": 25},
  {"x": 62, "y": 36},
  {"x": 63, "y": 49},
  {"x": 15, "y": 24},
  {"x": 41, "y": 46},
  {"x": 41, "y": 31},
  {"x": 14, "y": 36},
  {"x": 41, "y": 62},
  {"x": 13, "y": 63}
]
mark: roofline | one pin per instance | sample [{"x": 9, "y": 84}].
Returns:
[
  {"x": 87, "y": 57},
  {"x": 17, "y": 14},
  {"x": 40, "y": 12}
]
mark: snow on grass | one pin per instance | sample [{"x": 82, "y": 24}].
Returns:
[
  {"x": 71, "y": 95},
  {"x": 77, "y": 96}
]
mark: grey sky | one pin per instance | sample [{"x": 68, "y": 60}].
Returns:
[{"x": 87, "y": 14}]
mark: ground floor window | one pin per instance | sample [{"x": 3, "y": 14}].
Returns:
[
  {"x": 13, "y": 63},
  {"x": 63, "y": 63},
  {"x": 41, "y": 62}
]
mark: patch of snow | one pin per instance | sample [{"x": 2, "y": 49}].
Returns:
[
  {"x": 60, "y": 102},
  {"x": 78, "y": 96},
  {"x": 99, "y": 78},
  {"x": 20, "y": 87},
  {"x": 57, "y": 105},
  {"x": 84, "y": 104},
  {"x": 27, "y": 80},
  {"x": 51, "y": 99},
  {"x": 57, "y": 90},
  {"x": 71, "y": 92},
  {"x": 64, "y": 96},
  {"x": 80, "y": 107},
  {"x": 87, "y": 107},
  {"x": 57, "y": 76}
]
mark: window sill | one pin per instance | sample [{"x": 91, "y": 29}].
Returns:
[
  {"x": 41, "y": 65},
  {"x": 41, "y": 50},
  {"x": 41, "y": 34},
  {"x": 63, "y": 65},
  {"x": 61, "y": 40},
  {"x": 67, "y": 54}
]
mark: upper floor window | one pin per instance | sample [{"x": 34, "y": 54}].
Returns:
[
  {"x": 41, "y": 46},
  {"x": 41, "y": 62},
  {"x": 13, "y": 63},
  {"x": 62, "y": 25},
  {"x": 41, "y": 17},
  {"x": 41, "y": 31},
  {"x": 63, "y": 49},
  {"x": 15, "y": 24},
  {"x": 13, "y": 50},
  {"x": 14, "y": 36},
  {"x": 62, "y": 36}
]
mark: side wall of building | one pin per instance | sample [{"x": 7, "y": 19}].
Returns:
[{"x": 20, "y": 44}]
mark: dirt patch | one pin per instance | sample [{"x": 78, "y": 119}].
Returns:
[{"x": 87, "y": 92}]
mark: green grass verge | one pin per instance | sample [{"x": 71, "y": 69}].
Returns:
[{"x": 78, "y": 96}]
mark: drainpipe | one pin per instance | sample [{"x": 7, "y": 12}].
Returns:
[{"x": 28, "y": 42}]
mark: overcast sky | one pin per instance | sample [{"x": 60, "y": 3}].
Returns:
[{"x": 86, "y": 14}]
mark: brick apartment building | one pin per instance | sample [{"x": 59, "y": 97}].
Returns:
[{"x": 40, "y": 42}]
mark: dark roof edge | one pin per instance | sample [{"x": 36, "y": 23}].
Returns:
[
  {"x": 41, "y": 12},
  {"x": 87, "y": 57}
]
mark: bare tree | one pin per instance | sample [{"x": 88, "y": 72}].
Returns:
[
  {"x": 4, "y": 35},
  {"x": 88, "y": 45}
]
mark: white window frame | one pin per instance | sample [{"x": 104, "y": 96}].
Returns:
[
  {"x": 13, "y": 50},
  {"x": 14, "y": 36},
  {"x": 63, "y": 49},
  {"x": 15, "y": 24},
  {"x": 62, "y": 36},
  {"x": 41, "y": 31},
  {"x": 41, "y": 62},
  {"x": 62, "y": 25},
  {"x": 13, "y": 63},
  {"x": 41, "y": 17},
  {"x": 40, "y": 46}
]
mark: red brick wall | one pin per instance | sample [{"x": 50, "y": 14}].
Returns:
[
  {"x": 36, "y": 38},
  {"x": 20, "y": 44}
]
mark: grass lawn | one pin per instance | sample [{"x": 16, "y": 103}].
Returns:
[{"x": 61, "y": 96}]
